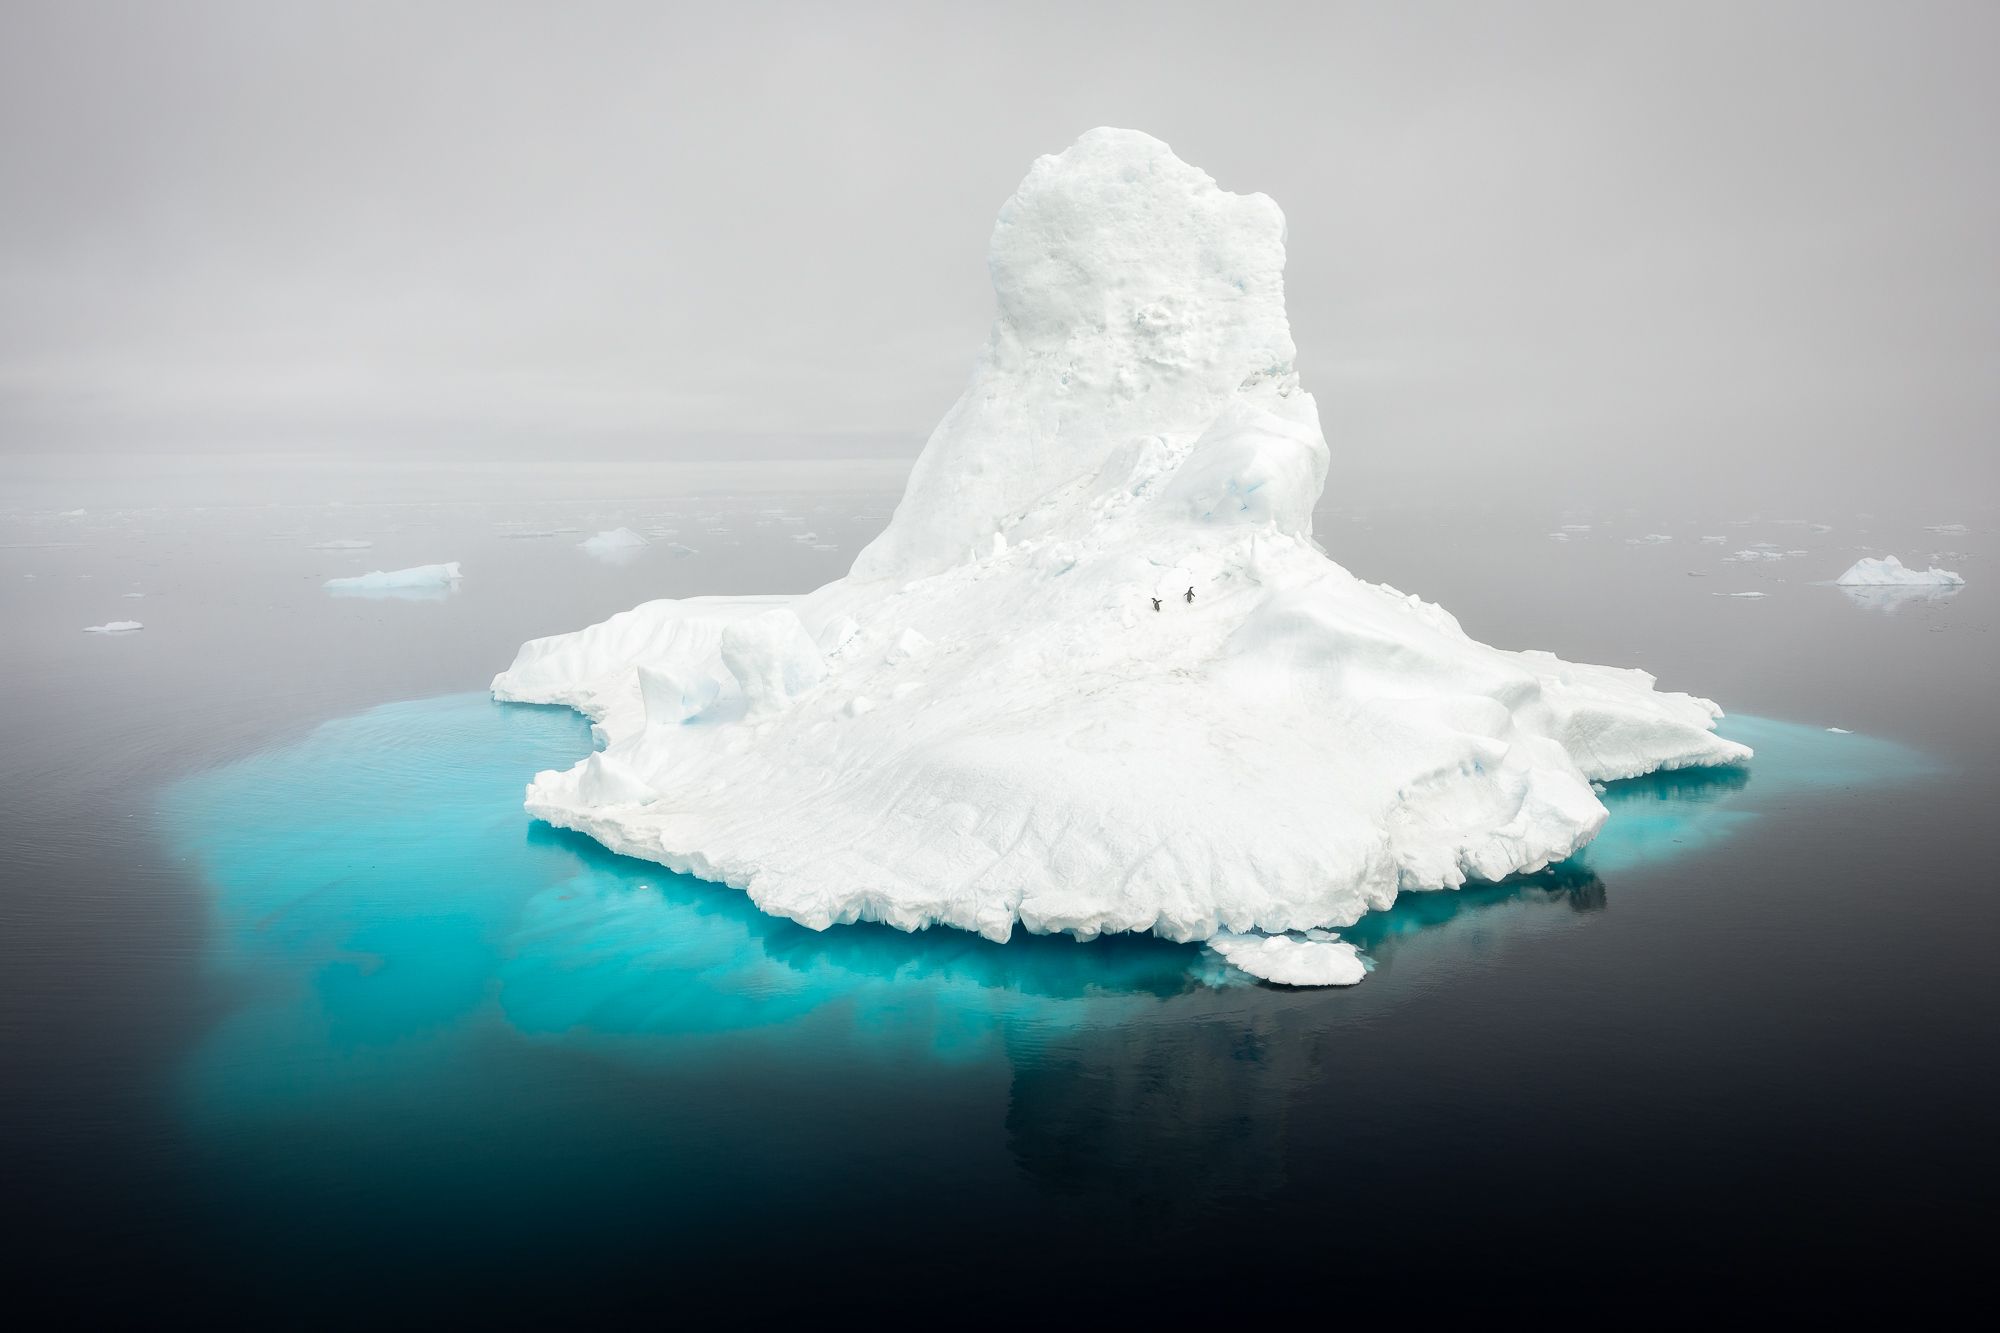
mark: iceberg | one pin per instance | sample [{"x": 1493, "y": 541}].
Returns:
[
  {"x": 1316, "y": 958},
  {"x": 419, "y": 580},
  {"x": 1889, "y": 572},
  {"x": 615, "y": 547},
  {"x": 1097, "y": 675}
]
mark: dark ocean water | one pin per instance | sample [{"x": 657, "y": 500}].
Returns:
[{"x": 304, "y": 1021}]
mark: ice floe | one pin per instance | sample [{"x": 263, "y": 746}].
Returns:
[
  {"x": 1889, "y": 572},
  {"x": 417, "y": 581},
  {"x": 617, "y": 546}
]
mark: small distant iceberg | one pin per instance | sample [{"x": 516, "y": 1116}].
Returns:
[
  {"x": 1889, "y": 572},
  {"x": 615, "y": 547},
  {"x": 418, "y": 581},
  {"x": 114, "y": 627},
  {"x": 342, "y": 544}
]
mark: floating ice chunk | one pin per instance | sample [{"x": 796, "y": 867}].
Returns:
[
  {"x": 131, "y": 594},
  {"x": 615, "y": 547},
  {"x": 114, "y": 627},
  {"x": 1840, "y": 731},
  {"x": 1753, "y": 554},
  {"x": 343, "y": 544},
  {"x": 1316, "y": 958},
  {"x": 1715, "y": 540},
  {"x": 1737, "y": 594},
  {"x": 1889, "y": 572},
  {"x": 1953, "y": 528},
  {"x": 71, "y": 513},
  {"x": 416, "y": 581},
  {"x": 1650, "y": 539}
]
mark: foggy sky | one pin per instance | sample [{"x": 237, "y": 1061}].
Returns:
[{"x": 1522, "y": 237}]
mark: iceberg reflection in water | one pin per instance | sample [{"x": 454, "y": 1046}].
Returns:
[
  {"x": 381, "y": 906},
  {"x": 446, "y": 1032}
]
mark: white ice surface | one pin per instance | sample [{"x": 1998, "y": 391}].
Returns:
[
  {"x": 416, "y": 578},
  {"x": 986, "y": 725},
  {"x": 1889, "y": 572}
]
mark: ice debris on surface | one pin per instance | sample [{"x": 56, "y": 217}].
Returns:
[
  {"x": 114, "y": 627},
  {"x": 1889, "y": 572},
  {"x": 416, "y": 579},
  {"x": 987, "y": 724}
]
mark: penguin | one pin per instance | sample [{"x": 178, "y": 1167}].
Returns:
[
  {"x": 1190, "y": 596},
  {"x": 1156, "y": 603}
]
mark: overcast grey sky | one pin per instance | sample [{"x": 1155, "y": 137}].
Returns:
[{"x": 1731, "y": 234}]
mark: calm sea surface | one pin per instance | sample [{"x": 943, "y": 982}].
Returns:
[{"x": 303, "y": 1020}]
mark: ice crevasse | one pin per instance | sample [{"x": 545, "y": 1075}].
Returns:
[{"x": 988, "y": 724}]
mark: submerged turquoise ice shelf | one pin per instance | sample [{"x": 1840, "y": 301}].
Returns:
[{"x": 381, "y": 906}]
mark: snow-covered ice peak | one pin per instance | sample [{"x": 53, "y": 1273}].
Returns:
[
  {"x": 1096, "y": 676},
  {"x": 1136, "y": 304}
]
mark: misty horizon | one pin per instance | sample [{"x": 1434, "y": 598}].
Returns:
[{"x": 1520, "y": 241}]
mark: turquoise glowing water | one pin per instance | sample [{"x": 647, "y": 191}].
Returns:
[{"x": 387, "y": 924}]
